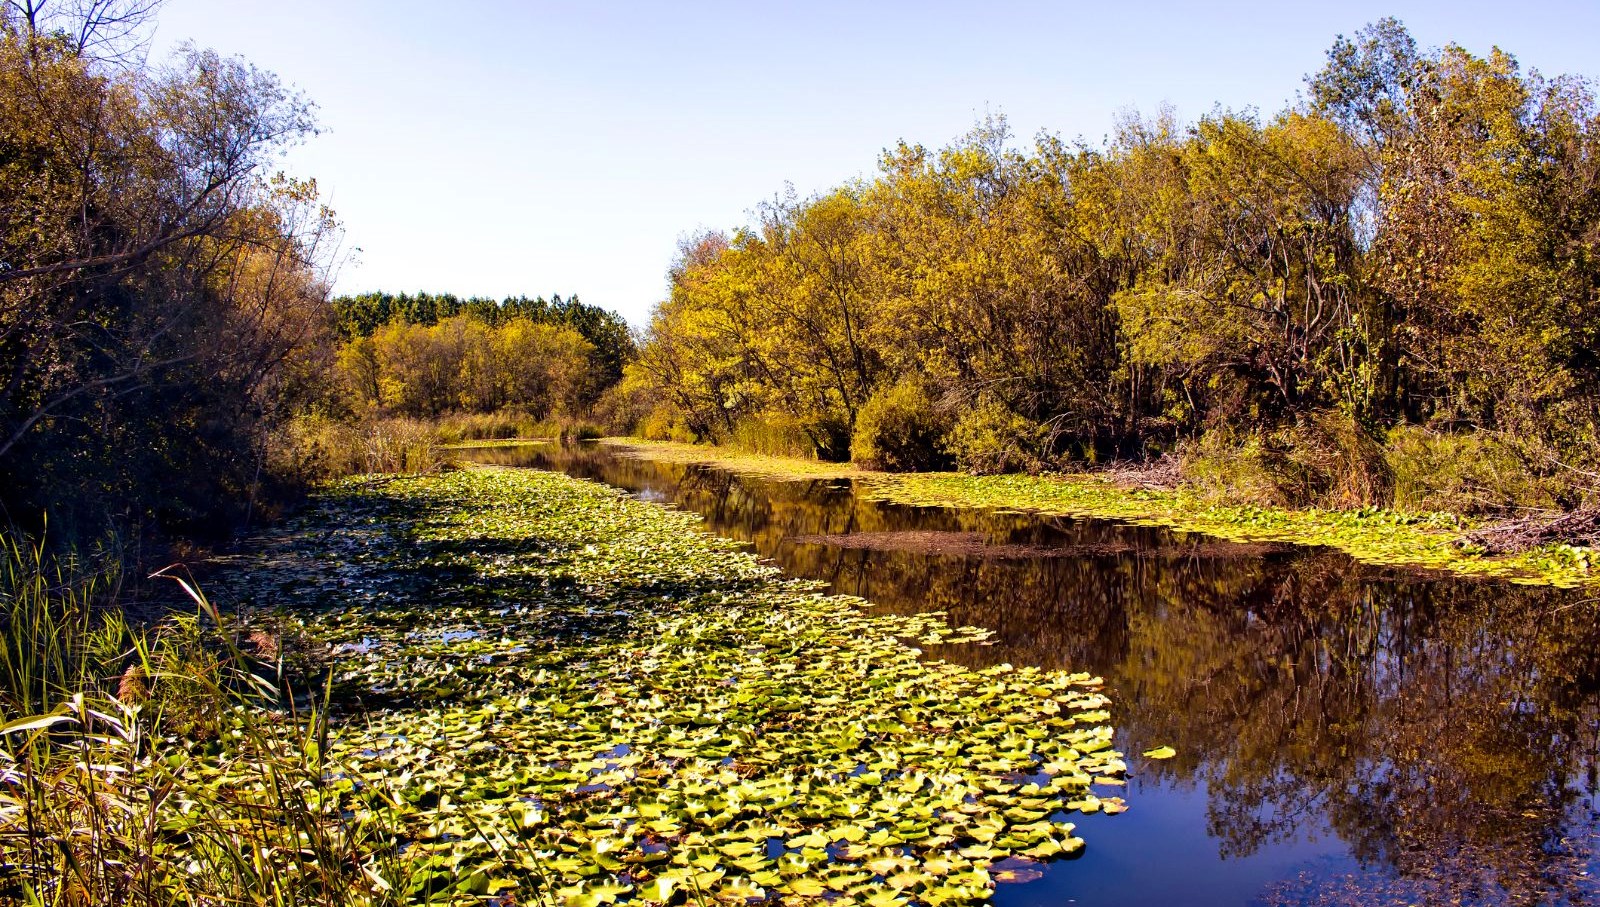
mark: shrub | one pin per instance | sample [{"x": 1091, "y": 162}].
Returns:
[
  {"x": 992, "y": 438},
  {"x": 1221, "y": 467},
  {"x": 901, "y": 429},
  {"x": 665, "y": 422},
  {"x": 1325, "y": 460},
  {"x": 1471, "y": 473}
]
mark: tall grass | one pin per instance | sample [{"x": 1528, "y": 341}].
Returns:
[
  {"x": 167, "y": 766},
  {"x": 53, "y": 644},
  {"x": 464, "y": 428},
  {"x": 317, "y": 448}
]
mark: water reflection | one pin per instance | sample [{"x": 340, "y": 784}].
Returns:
[{"x": 1346, "y": 735}]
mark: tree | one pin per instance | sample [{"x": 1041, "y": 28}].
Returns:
[{"x": 154, "y": 283}]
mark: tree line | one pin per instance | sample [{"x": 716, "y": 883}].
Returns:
[
  {"x": 1414, "y": 243},
  {"x": 170, "y": 356},
  {"x": 427, "y": 354}
]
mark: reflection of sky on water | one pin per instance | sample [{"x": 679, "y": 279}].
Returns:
[{"x": 1345, "y": 734}]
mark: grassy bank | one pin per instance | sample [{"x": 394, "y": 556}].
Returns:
[
  {"x": 577, "y": 697},
  {"x": 1433, "y": 540},
  {"x": 741, "y": 462}
]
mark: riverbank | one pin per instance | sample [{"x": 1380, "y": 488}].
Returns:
[
  {"x": 563, "y": 689},
  {"x": 1432, "y": 541}
]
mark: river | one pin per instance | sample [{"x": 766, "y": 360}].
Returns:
[{"x": 1346, "y": 734}]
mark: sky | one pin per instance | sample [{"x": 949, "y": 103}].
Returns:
[{"x": 495, "y": 148}]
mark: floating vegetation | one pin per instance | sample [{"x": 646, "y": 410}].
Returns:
[
  {"x": 647, "y": 713},
  {"x": 496, "y": 442},
  {"x": 737, "y": 461},
  {"x": 1434, "y": 541}
]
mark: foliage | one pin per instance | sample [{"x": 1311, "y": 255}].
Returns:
[
  {"x": 1325, "y": 460},
  {"x": 610, "y": 343},
  {"x": 901, "y": 429},
  {"x": 778, "y": 435},
  {"x": 580, "y": 695},
  {"x": 1412, "y": 244},
  {"x": 991, "y": 437},
  {"x": 1220, "y": 468},
  {"x": 161, "y": 297},
  {"x": 463, "y": 364}
]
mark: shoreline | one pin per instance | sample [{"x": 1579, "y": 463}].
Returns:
[{"x": 1431, "y": 541}]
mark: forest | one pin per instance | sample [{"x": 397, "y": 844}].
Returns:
[{"x": 1385, "y": 293}]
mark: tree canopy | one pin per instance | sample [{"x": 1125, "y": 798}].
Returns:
[{"x": 1417, "y": 241}]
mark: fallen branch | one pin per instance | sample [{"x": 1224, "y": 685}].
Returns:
[{"x": 1578, "y": 527}]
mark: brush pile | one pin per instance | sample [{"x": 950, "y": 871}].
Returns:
[{"x": 1579, "y": 527}]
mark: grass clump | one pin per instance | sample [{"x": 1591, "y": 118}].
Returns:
[
  {"x": 1326, "y": 460},
  {"x": 1471, "y": 473},
  {"x": 510, "y": 424},
  {"x": 317, "y": 448}
]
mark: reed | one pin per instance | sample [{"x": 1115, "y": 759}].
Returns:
[{"x": 166, "y": 766}]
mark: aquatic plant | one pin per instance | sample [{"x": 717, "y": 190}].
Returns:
[
  {"x": 577, "y": 695},
  {"x": 1433, "y": 541}
]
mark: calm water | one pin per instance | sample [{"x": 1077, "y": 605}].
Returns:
[{"x": 1346, "y": 734}]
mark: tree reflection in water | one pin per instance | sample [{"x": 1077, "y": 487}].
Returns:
[{"x": 1445, "y": 730}]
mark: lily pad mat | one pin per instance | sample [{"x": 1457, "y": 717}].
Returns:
[
  {"x": 1431, "y": 541},
  {"x": 571, "y": 695}
]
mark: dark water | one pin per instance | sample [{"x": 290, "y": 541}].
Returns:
[{"x": 1346, "y": 734}]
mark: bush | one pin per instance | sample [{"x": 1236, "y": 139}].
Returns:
[
  {"x": 625, "y": 407},
  {"x": 1470, "y": 473},
  {"x": 1325, "y": 460},
  {"x": 901, "y": 429},
  {"x": 665, "y": 422},
  {"x": 992, "y": 438},
  {"x": 1222, "y": 468}
]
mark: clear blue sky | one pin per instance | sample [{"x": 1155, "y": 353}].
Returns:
[{"x": 493, "y": 147}]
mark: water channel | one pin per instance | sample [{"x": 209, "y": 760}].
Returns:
[{"x": 1346, "y": 734}]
